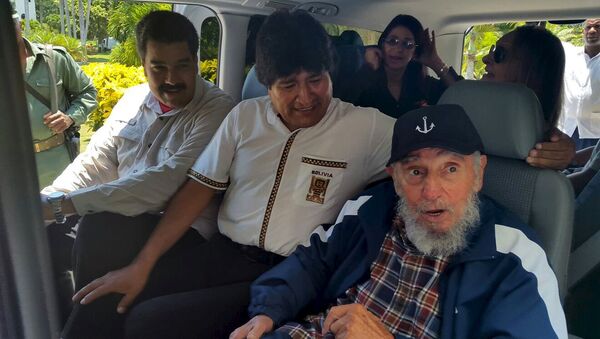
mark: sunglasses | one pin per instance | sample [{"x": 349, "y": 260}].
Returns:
[
  {"x": 406, "y": 44},
  {"x": 498, "y": 53}
]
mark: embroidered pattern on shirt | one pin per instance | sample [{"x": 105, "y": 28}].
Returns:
[
  {"x": 317, "y": 189},
  {"x": 324, "y": 163},
  {"x": 197, "y": 176},
  {"x": 275, "y": 189}
]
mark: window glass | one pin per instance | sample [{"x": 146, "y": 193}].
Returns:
[
  {"x": 369, "y": 37},
  {"x": 480, "y": 38},
  {"x": 209, "y": 48}
]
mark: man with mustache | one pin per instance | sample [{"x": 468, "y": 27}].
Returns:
[
  {"x": 141, "y": 155},
  {"x": 424, "y": 256},
  {"x": 286, "y": 163}
]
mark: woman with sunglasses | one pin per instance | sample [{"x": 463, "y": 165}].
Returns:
[
  {"x": 533, "y": 56},
  {"x": 393, "y": 78}
]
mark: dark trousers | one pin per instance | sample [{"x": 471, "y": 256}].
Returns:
[
  {"x": 61, "y": 238},
  {"x": 198, "y": 289}
]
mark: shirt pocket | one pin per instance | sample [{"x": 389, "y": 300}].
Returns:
[
  {"x": 43, "y": 87},
  {"x": 128, "y": 130},
  {"x": 318, "y": 180}
]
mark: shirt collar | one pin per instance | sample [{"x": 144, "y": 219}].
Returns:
[
  {"x": 33, "y": 50},
  {"x": 152, "y": 103},
  {"x": 274, "y": 119}
]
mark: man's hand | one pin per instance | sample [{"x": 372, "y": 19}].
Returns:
[
  {"x": 354, "y": 321},
  {"x": 129, "y": 280},
  {"x": 555, "y": 154},
  {"x": 254, "y": 328},
  {"x": 57, "y": 122}
]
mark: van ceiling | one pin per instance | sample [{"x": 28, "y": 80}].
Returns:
[{"x": 375, "y": 14}]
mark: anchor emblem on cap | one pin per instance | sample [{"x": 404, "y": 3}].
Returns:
[{"x": 425, "y": 129}]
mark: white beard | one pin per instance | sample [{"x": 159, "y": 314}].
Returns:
[{"x": 439, "y": 244}]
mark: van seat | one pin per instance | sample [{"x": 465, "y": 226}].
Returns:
[{"x": 510, "y": 121}]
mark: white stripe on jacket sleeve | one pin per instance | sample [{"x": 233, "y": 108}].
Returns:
[
  {"x": 533, "y": 259},
  {"x": 350, "y": 208}
]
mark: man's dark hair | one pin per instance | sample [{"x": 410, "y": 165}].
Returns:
[
  {"x": 165, "y": 27},
  {"x": 289, "y": 42}
]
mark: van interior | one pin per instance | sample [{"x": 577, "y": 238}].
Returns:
[{"x": 28, "y": 308}]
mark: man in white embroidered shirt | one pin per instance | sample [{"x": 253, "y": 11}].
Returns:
[
  {"x": 287, "y": 163},
  {"x": 424, "y": 256},
  {"x": 141, "y": 155}
]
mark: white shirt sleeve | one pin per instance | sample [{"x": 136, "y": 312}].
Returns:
[
  {"x": 380, "y": 146},
  {"x": 213, "y": 166},
  {"x": 150, "y": 189},
  {"x": 97, "y": 164}
]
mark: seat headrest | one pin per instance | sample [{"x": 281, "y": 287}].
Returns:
[
  {"x": 350, "y": 37},
  {"x": 252, "y": 87},
  {"x": 347, "y": 38},
  {"x": 507, "y": 116}
]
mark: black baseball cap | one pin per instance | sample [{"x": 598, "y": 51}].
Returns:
[{"x": 439, "y": 126}]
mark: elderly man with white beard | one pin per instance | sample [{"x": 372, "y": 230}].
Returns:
[{"x": 424, "y": 256}]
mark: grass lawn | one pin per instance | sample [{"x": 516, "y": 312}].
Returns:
[
  {"x": 85, "y": 133},
  {"x": 100, "y": 57}
]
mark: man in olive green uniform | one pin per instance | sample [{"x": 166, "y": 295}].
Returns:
[{"x": 76, "y": 99}]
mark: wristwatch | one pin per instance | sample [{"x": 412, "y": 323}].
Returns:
[{"x": 55, "y": 199}]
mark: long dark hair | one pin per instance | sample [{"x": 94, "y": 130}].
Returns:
[
  {"x": 542, "y": 68},
  {"x": 414, "y": 74}
]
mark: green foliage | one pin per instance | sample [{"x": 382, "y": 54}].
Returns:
[
  {"x": 479, "y": 40},
  {"x": 53, "y": 21},
  {"x": 41, "y": 33},
  {"x": 121, "y": 26},
  {"x": 209, "y": 39},
  {"x": 209, "y": 70},
  {"x": 125, "y": 53},
  {"x": 569, "y": 33},
  {"x": 477, "y": 44},
  {"x": 111, "y": 80},
  {"x": 99, "y": 14}
]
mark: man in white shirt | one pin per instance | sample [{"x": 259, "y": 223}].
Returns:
[
  {"x": 581, "y": 106},
  {"x": 287, "y": 163},
  {"x": 141, "y": 155}
]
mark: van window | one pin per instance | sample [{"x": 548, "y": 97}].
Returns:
[
  {"x": 368, "y": 36},
  {"x": 479, "y": 39},
  {"x": 209, "y": 30},
  {"x": 209, "y": 48}
]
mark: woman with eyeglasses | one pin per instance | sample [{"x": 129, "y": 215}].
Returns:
[
  {"x": 533, "y": 56},
  {"x": 393, "y": 78}
]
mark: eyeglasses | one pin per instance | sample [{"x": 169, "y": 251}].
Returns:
[
  {"x": 498, "y": 53},
  {"x": 394, "y": 42}
]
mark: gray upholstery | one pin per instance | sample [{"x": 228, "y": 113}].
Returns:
[
  {"x": 510, "y": 121},
  {"x": 510, "y": 105},
  {"x": 252, "y": 87},
  {"x": 349, "y": 58}
]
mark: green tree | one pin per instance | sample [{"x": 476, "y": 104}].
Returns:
[
  {"x": 477, "y": 44},
  {"x": 209, "y": 39},
  {"x": 45, "y": 8},
  {"x": 568, "y": 33},
  {"x": 121, "y": 26}
]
